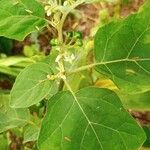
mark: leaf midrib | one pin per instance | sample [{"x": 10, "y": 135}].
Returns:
[{"x": 75, "y": 98}]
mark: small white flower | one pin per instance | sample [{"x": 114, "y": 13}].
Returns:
[
  {"x": 69, "y": 58},
  {"x": 48, "y": 76},
  {"x": 62, "y": 76},
  {"x": 57, "y": 48},
  {"x": 58, "y": 58},
  {"x": 49, "y": 13},
  {"x": 73, "y": 57},
  {"x": 46, "y": 8},
  {"x": 51, "y": 77},
  {"x": 66, "y": 3}
]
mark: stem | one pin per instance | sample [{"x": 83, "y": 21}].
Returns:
[
  {"x": 82, "y": 68},
  {"x": 60, "y": 2},
  {"x": 59, "y": 28},
  {"x": 60, "y": 38},
  {"x": 61, "y": 85}
]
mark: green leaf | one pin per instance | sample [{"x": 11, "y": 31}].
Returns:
[
  {"x": 9, "y": 117},
  {"x": 9, "y": 71},
  {"x": 78, "y": 80},
  {"x": 3, "y": 143},
  {"x": 136, "y": 101},
  {"x": 92, "y": 119},
  {"x": 122, "y": 50},
  {"x": 31, "y": 133},
  {"x": 14, "y": 60},
  {"x": 18, "y": 18},
  {"x": 147, "y": 131},
  {"x": 31, "y": 86}
]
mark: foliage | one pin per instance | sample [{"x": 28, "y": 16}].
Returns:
[
  {"x": 11, "y": 117},
  {"x": 125, "y": 62},
  {"x": 72, "y": 112}
]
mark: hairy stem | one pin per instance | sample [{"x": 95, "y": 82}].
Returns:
[
  {"x": 60, "y": 38},
  {"x": 59, "y": 28}
]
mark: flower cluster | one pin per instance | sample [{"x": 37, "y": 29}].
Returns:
[
  {"x": 53, "y": 7},
  {"x": 50, "y": 8},
  {"x": 67, "y": 57}
]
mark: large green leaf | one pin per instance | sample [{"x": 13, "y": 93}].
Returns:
[
  {"x": 9, "y": 117},
  {"x": 91, "y": 119},
  {"x": 32, "y": 85},
  {"x": 18, "y": 18},
  {"x": 122, "y": 50}
]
